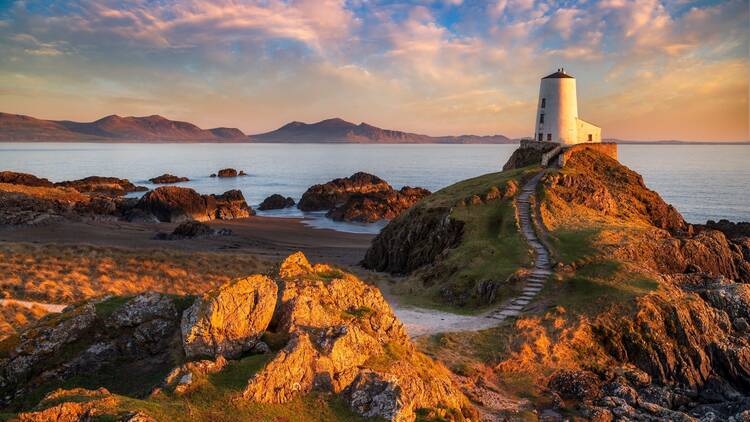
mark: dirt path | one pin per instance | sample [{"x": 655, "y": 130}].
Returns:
[
  {"x": 419, "y": 321},
  {"x": 49, "y": 307}
]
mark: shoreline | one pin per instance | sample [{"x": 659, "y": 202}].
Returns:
[{"x": 266, "y": 237}]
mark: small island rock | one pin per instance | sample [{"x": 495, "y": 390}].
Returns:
[
  {"x": 276, "y": 202},
  {"x": 167, "y": 178}
]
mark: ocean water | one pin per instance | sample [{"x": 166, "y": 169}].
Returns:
[{"x": 701, "y": 181}]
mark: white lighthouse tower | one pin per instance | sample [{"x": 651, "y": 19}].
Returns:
[{"x": 557, "y": 113}]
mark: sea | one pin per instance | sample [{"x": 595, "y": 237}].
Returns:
[{"x": 702, "y": 181}]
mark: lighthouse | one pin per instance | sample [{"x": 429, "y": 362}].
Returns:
[{"x": 557, "y": 113}]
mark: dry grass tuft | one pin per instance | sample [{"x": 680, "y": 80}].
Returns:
[{"x": 69, "y": 273}]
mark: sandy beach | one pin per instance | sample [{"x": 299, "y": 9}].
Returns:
[{"x": 265, "y": 237}]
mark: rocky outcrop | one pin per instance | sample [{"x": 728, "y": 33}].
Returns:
[
  {"x": 276, "y": 202},
  {"x": 528, "y": 154},
  {"x": 229, "y": 172},
  {"x": 182, "y": 379},
  {"x": 375, "y": 206},
  {"x": 413, "y": 240},
  {"x": 178, "y": 204},
  {"x": 229, "y": 321},
  {"x": 731, "y": 230},
  {"x": 111, "y": 186},
  {"x": 345, "y": 339},
  {"x": 167, "y": 178},
  {"x": 23, "y": 179},
  {"x": 334, "y": 193},
  {"x": 78, "y": 404},
  {"x": 109, "y": 339},
  {"x": 361, "y": 197},
  {"x": 192, "y": 230}
]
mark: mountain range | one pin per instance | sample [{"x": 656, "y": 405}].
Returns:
[{"x": 114, "y": 128}]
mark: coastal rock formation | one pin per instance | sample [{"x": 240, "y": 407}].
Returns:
[
  {"x": 112, "y": 186},
  {"x": 276, "y": 202},
  {"x": 15, "y": 178},
  {"x": 167, "y": 178},
  {"x": 333, "y": 334},
  {"x": 334, "y": 193},
  {"x": 229, "y": 321},
  {"x": 528, "y": 154},
  {"x": 375, "y": 206},
  {"x": 344, "y": 338},
  {"x": 109, "y": 339},
  {"x": 361, "y": 197},
  {"x": 178, "y": 204},
  {"x": 229, "y": 172}
]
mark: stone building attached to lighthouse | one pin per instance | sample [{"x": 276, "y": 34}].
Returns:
[{"x": 557, "y": 113}]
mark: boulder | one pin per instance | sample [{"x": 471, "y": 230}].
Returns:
[
  {"x": 175, "y": 204},
  {"x": 276, "y": 202},
  {"x": 192, "y": 229},
  {"x": 231, "y": 204},
  {"x": 375, "y": 206},
  {"x": 230, "y": 172},
  {"x": 23, "y": 179},
  {"x": 179, "y": 204},
  {"x": 167, "y": 178},
  {"x": 334, "y": 193},
  {"x": 103, "y": 185},
  {"x": 229, "y": 320}
]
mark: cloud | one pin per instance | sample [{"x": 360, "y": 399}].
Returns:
[{"x": 434, "y": 66}]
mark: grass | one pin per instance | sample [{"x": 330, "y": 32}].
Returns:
[
  {"x": 491, "y": 249},
  {"x": 571, "y": 245},
  {"x": 217, "y": 397}
]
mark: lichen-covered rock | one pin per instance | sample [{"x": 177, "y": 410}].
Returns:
[
  {"x": 229, "y": 320},
  {"x": 74, "y": 405},
  {"x": 345, "y": 339},
  {"x": 276, "y": 202},
  {"x": 181, "y": 379}
]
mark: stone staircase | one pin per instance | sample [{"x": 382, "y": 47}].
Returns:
[{"x": 534, "y": 283}]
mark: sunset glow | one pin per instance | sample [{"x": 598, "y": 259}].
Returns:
[{"x": 647, "y": 69}]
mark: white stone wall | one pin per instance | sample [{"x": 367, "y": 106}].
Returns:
[{"x": 585, "y": 129}]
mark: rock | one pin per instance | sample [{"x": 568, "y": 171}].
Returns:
[
  {"x": 77, "y": 405},
  {"x": 231, "y": 204},
  {"x": 375, "y": 206},
  {"x": 137, "y": 215},
  {"x": 276, "y": 202},
  {"x": 23, "y": 179},
  {"x": 178, "y": 204},
  {"x": 230, "y": 172},
  {"x": 578, "y": 385},
  {"x": 131, "y": 336},
  {"x": 730, "y": 229},
  {"x": 168, "y": 178},
  {"x": 229, "y": 320},
  {"x": 336, "y": 325},
  {"x": 180, "y": 379},
  {"x": 334, "y": 193},
  {"x": 103, "y": 185},
  {"x": 528, "y": 154},
  {"x": 192, "y": 230},
  {"x": 413, "y": 240},
  {"x": 175, "y": 204}
]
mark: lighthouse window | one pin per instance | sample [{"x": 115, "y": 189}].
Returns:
[
  {"x": 544, "y": 102},
  {"x": 591, "y": 138},
  {"x": 541, "y": 137},
  {"x": 541, "y": 118},
  {"x": 549, "y": 136}
]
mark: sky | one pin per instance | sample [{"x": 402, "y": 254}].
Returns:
[{"x": 645, "y": 69}]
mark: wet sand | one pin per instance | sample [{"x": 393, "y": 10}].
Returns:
[{"x": 266, "y": 237}]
